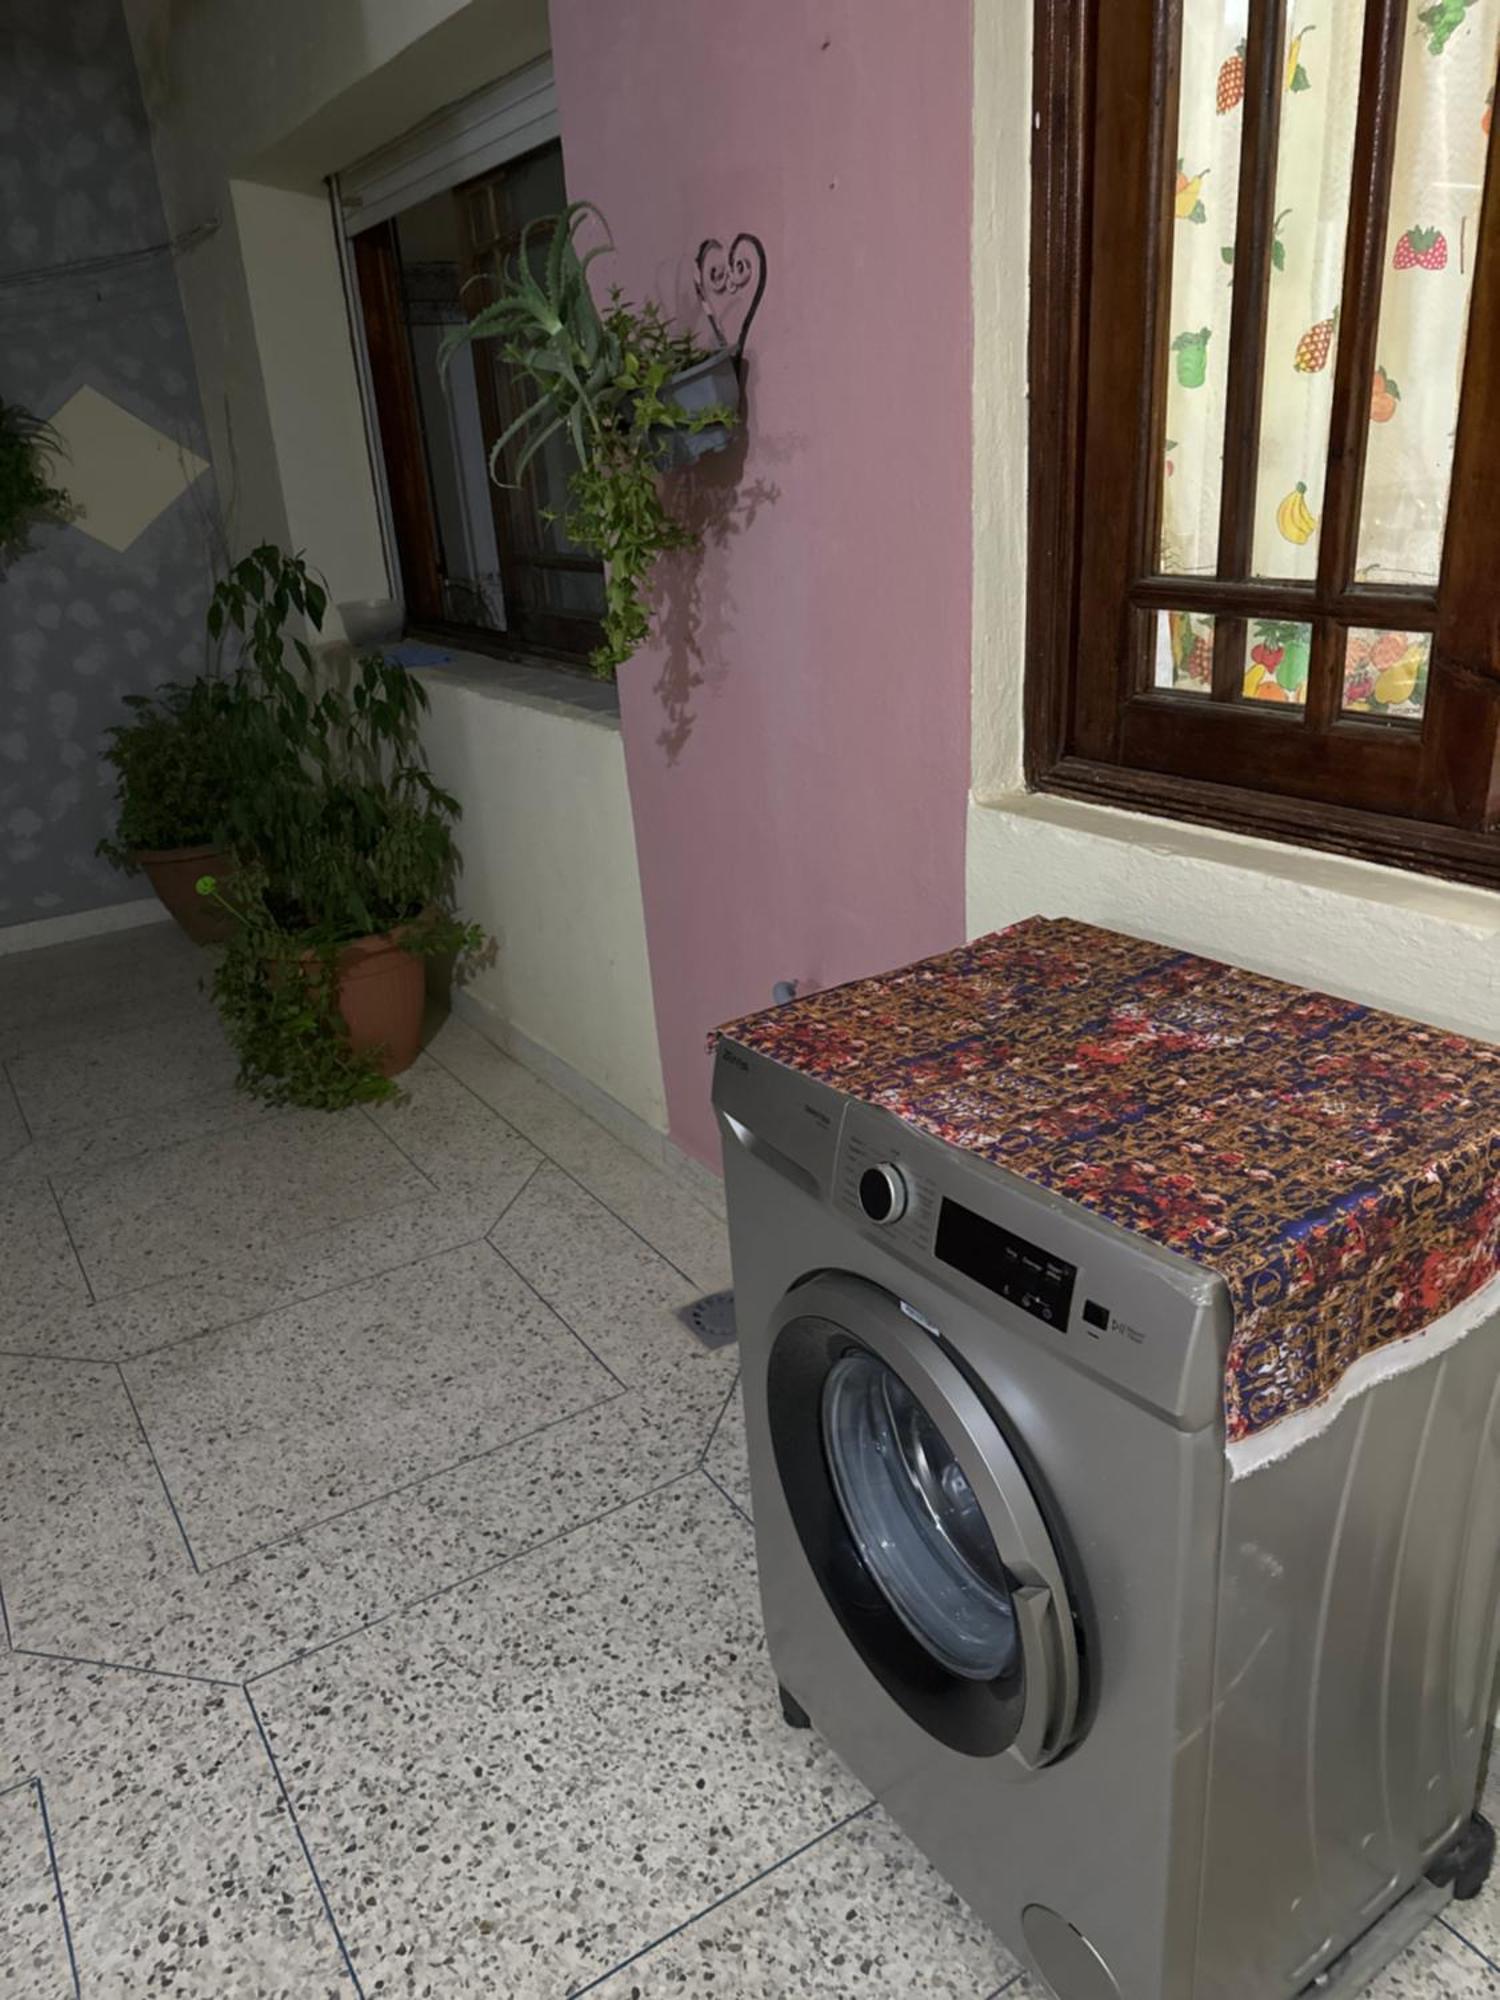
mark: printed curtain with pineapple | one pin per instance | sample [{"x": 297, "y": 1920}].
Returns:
[{"x": 1443, "y": 125}]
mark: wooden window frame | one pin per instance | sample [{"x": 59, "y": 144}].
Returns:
[
  {"x": 1423, "y": 797},
  {"x": 400, "y": 437}
]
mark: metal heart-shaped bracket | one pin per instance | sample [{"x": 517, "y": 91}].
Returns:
[{"x": 724, "y": 276}]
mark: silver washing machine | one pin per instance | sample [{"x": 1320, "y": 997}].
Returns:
[{"x": 1174, "y": 1735}]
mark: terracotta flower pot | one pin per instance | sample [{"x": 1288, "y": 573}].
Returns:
[
  {"x": 173, "y": 873},
  {"x": 381, "y": 993}
]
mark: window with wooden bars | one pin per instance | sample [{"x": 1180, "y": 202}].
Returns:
[{"x": 1265, "y": 521}]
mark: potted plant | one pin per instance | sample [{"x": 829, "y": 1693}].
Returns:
[
  {"x": 634, "y": 395},
  {"x": 27, "y": 493},
  {"x": 193, "y": 764},
  {"x": 173, "y": 772},
  {"x": 321, "y": 987}
]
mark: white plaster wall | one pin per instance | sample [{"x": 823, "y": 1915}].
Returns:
[
  {"x": 550, "y": 871},
  {"x": 1420, "y": 947}
]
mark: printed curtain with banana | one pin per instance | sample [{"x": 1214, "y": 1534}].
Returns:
[{"x": 1442, "y": 138}]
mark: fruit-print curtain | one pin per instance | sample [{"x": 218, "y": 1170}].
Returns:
[{"x": 1442, "y": 137}]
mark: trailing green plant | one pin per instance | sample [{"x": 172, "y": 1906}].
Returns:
[
  {"x": 27, "y": 492},
  {"x": 602, "y": 378},
  {"x": 276, "y": 986}
]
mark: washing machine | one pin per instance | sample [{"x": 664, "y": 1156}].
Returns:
[{"x": 1174, "y": 1733}]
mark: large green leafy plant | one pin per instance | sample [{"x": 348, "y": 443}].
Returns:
[
  {"x": 341, "y": 834},
  {"x": 174, "y": 768},
  {"x": 27, "y": 492},
  {"x": 604, "y": 379}
]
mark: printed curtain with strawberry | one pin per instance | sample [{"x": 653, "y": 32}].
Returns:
[{"x": 1447, "y": 82}]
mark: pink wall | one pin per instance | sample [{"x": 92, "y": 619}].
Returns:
[{"x": 798, "y": 748}]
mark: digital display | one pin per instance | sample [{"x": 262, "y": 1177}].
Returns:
[{"x": 1026, "y": 1276}]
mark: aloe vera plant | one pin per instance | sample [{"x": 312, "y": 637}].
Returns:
[{"x": 604, "y": 377}]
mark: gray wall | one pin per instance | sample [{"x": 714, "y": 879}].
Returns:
[{"x": 81, "y": 624}]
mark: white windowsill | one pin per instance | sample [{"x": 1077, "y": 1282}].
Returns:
[
  {"x": 553, "y": 690},
  {"x": 1478, "y": 910}
]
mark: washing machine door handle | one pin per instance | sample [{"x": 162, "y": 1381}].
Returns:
[{"x": 1045, "y": 1630}]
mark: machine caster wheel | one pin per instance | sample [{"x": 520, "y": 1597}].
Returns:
[
  {"x": 1466, "y": 1860},
  {"x": 796, "y": 1717}
]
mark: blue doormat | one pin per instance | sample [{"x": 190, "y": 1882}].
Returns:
[{"x": 711, "y": 1318}]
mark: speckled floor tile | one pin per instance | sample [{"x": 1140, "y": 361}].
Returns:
[
  {"x": 727, "y": 1460},
  {"x": 250, "y": 1189},
  {"x": 117, "y": 1075},
  {"x": 861, "y": 1912},
  {"x": 97, "y": 986},
  {"x": 659, "y": 1207},
  {"x": 241, "y": 1284},
  {"x": 41, "y": 1275},
  {"x": 277, "y": 1423},
  {"x": 462, "y": 1146},
  {"x": 609, "y": 1285},
  {"x": 180, "y": 1868},
  {"x": 34, "y": 1963},
  {"x": 558, "y": 1763},
  {"x": 79, "y": 1583},
  {"x": 1438, "y": 1966}
]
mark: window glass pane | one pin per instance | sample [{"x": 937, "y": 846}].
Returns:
[
  {"x": 1206, "y": 187},
  {"x": 1385, "y": 673},
  {"x": 1442, "y": 138},
  {"x": 1278, "y": 652},
  {"x": 1319, "y": 104},
  {"x": 1184, "y": 660}
]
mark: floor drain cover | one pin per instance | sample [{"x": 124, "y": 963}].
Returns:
[{"x": 711, "y": 1318}]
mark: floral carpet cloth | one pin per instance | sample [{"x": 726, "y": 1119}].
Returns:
[{"x": 1338, "y": 1167}]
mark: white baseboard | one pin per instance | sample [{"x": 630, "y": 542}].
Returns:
[
  {"x": 617, "y": 1119},
  {"x": 31, "y": 936}
]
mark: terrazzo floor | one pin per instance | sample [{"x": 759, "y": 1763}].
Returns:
[{"x": 378, "y": 1580}]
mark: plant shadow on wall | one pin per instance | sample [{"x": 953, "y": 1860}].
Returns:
[
  {"x": 291, "y": 792},
  {"x": 639, "y": 400},
  {"x": 692, "y": 604}
]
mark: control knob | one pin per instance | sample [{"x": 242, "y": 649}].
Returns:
[{"x": 884, "y": 1194}]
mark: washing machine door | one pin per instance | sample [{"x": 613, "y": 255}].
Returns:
[{"x": 920, "y": 1523}]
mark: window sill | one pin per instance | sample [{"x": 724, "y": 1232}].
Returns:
[
  {"x": 526, "y": 683},
  {"x": 1298, "y": 868}
]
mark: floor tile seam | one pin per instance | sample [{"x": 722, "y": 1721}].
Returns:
[
  {"x": 5, "y": 1621},
  {"x": 719, "y": 1419},
  {"x": 568, "y": 1173},
  {"x": 506, "y": 1561},
  {"x": 723, "y": 1491},
  {"x": 88, "y": 1283},
  {"x": 21, "y": 1785},
  {"x": 547, "y": 1305},
  {"x": 302, "y": 1841},
  {"x": 283, "y": 1304},
  {"x": 730, "y": 1895},
  {"x": 367, "y": 1112},
  {"x": 57, "y": 1887},
  {"x": 156, "y": 1462},
  {"x": 195, "y": 1271},
  {"x": 409, "y": 1485},
  {"x": 15, "y": 1098},
  {"x": 1451, "y": 1925},
  {"x": 123, "y": 1667}
]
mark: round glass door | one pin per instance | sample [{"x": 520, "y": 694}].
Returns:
[{"x": 916, "y": 1521}]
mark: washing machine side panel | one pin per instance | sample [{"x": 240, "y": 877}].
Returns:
[
  {"x": 1354, "y": 1670},
  {"x": 1110, "y": 1836}
]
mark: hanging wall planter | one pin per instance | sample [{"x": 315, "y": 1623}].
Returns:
[
  {"x": 715, "y": 383},
  {"x": 636, "y": 395}
]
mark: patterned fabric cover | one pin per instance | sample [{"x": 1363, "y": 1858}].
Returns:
[{"x": 1339, "y": 1167}]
